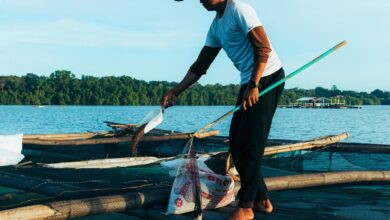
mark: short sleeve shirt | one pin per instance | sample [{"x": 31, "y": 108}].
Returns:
[{"x": 230, "y": 33}]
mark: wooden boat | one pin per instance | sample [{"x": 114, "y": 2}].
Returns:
[
  {"x": 136, "y": 161},
  {"x": 122, "y": 133},
  {"x": 108, "y": 144}
]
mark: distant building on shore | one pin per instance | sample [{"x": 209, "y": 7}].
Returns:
[
  {"x": 313, "y": 102},
  {"x": 322, "y": 102}
]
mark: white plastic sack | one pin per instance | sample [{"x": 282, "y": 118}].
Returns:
[
  {"x": 216, "y": 190},
  {"x": 153, "y": 119},
  {"x": 10, "y": 149},
  {"x": 172, "y": 165}
]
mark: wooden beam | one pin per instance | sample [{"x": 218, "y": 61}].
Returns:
[
  {"x": 86, "y": 207},
  {"x": 113, "y": 140},
  {"x": 115, "y": 125},
  {"x": 311, "y": 144},
  {"x": 59, "y": 136},
  {"x": 326, "y": 179},
  {"x": 108, "y": 163}
]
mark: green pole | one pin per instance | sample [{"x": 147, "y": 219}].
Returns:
[{"x": 296, "y": 72}]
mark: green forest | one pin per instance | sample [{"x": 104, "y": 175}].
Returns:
[{"x": 63, "y": 88}]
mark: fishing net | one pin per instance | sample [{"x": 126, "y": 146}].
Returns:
[
  {"x": 39, "y": 184},
  {"x": 361, "y": 156},
  {"x": 331, "y": 159},
  {"x": 34, "y": 184}
]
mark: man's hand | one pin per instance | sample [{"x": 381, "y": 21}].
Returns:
[
  {"x": 251, "y": 97},
  {"x": 168, "y": 99}
]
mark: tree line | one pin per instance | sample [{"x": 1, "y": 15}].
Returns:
[{"x": 63, "y": 88}]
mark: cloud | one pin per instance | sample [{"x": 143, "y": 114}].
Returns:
[{"x": 68, "y": 32}]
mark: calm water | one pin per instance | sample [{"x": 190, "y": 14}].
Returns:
[{"x": 367, "y": 125}]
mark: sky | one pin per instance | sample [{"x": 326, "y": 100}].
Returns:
[{"x": 159, "y": 39}]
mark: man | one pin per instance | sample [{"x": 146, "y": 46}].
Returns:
[{"x": 237, "y": 29}]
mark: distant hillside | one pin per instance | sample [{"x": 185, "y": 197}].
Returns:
[{"x": 63, "y": 88}]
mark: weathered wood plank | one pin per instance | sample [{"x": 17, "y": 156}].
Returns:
[{"x": 113, "y": 140}]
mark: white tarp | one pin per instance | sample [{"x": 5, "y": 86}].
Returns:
[{"x": 11, "y": 149}]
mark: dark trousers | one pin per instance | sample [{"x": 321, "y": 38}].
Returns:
[{"x": 247, "y": 139}]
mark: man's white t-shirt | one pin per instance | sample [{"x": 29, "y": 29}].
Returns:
[{"x": 230, "y": 33}]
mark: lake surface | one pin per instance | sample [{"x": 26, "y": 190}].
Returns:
[
  {"x": 371, "y": 124},
  {"x": 367, "y": 125}
]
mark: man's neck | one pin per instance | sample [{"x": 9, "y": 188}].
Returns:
[{"x": 221, "y": 8}]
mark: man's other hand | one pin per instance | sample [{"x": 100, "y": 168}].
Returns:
[
  {"x": 251, "y": 97},
  {"x": 168, "y": 99}
]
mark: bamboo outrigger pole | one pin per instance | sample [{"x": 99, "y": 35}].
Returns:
[
  {"x": 296, "y": 72},
  {"x": 113, "y": 140},
  {"x": 307, "y": 145}
]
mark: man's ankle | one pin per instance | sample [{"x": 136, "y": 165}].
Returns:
[
  {"x": 264, "y": 206},
  {"x": 242, "y": 213}
]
